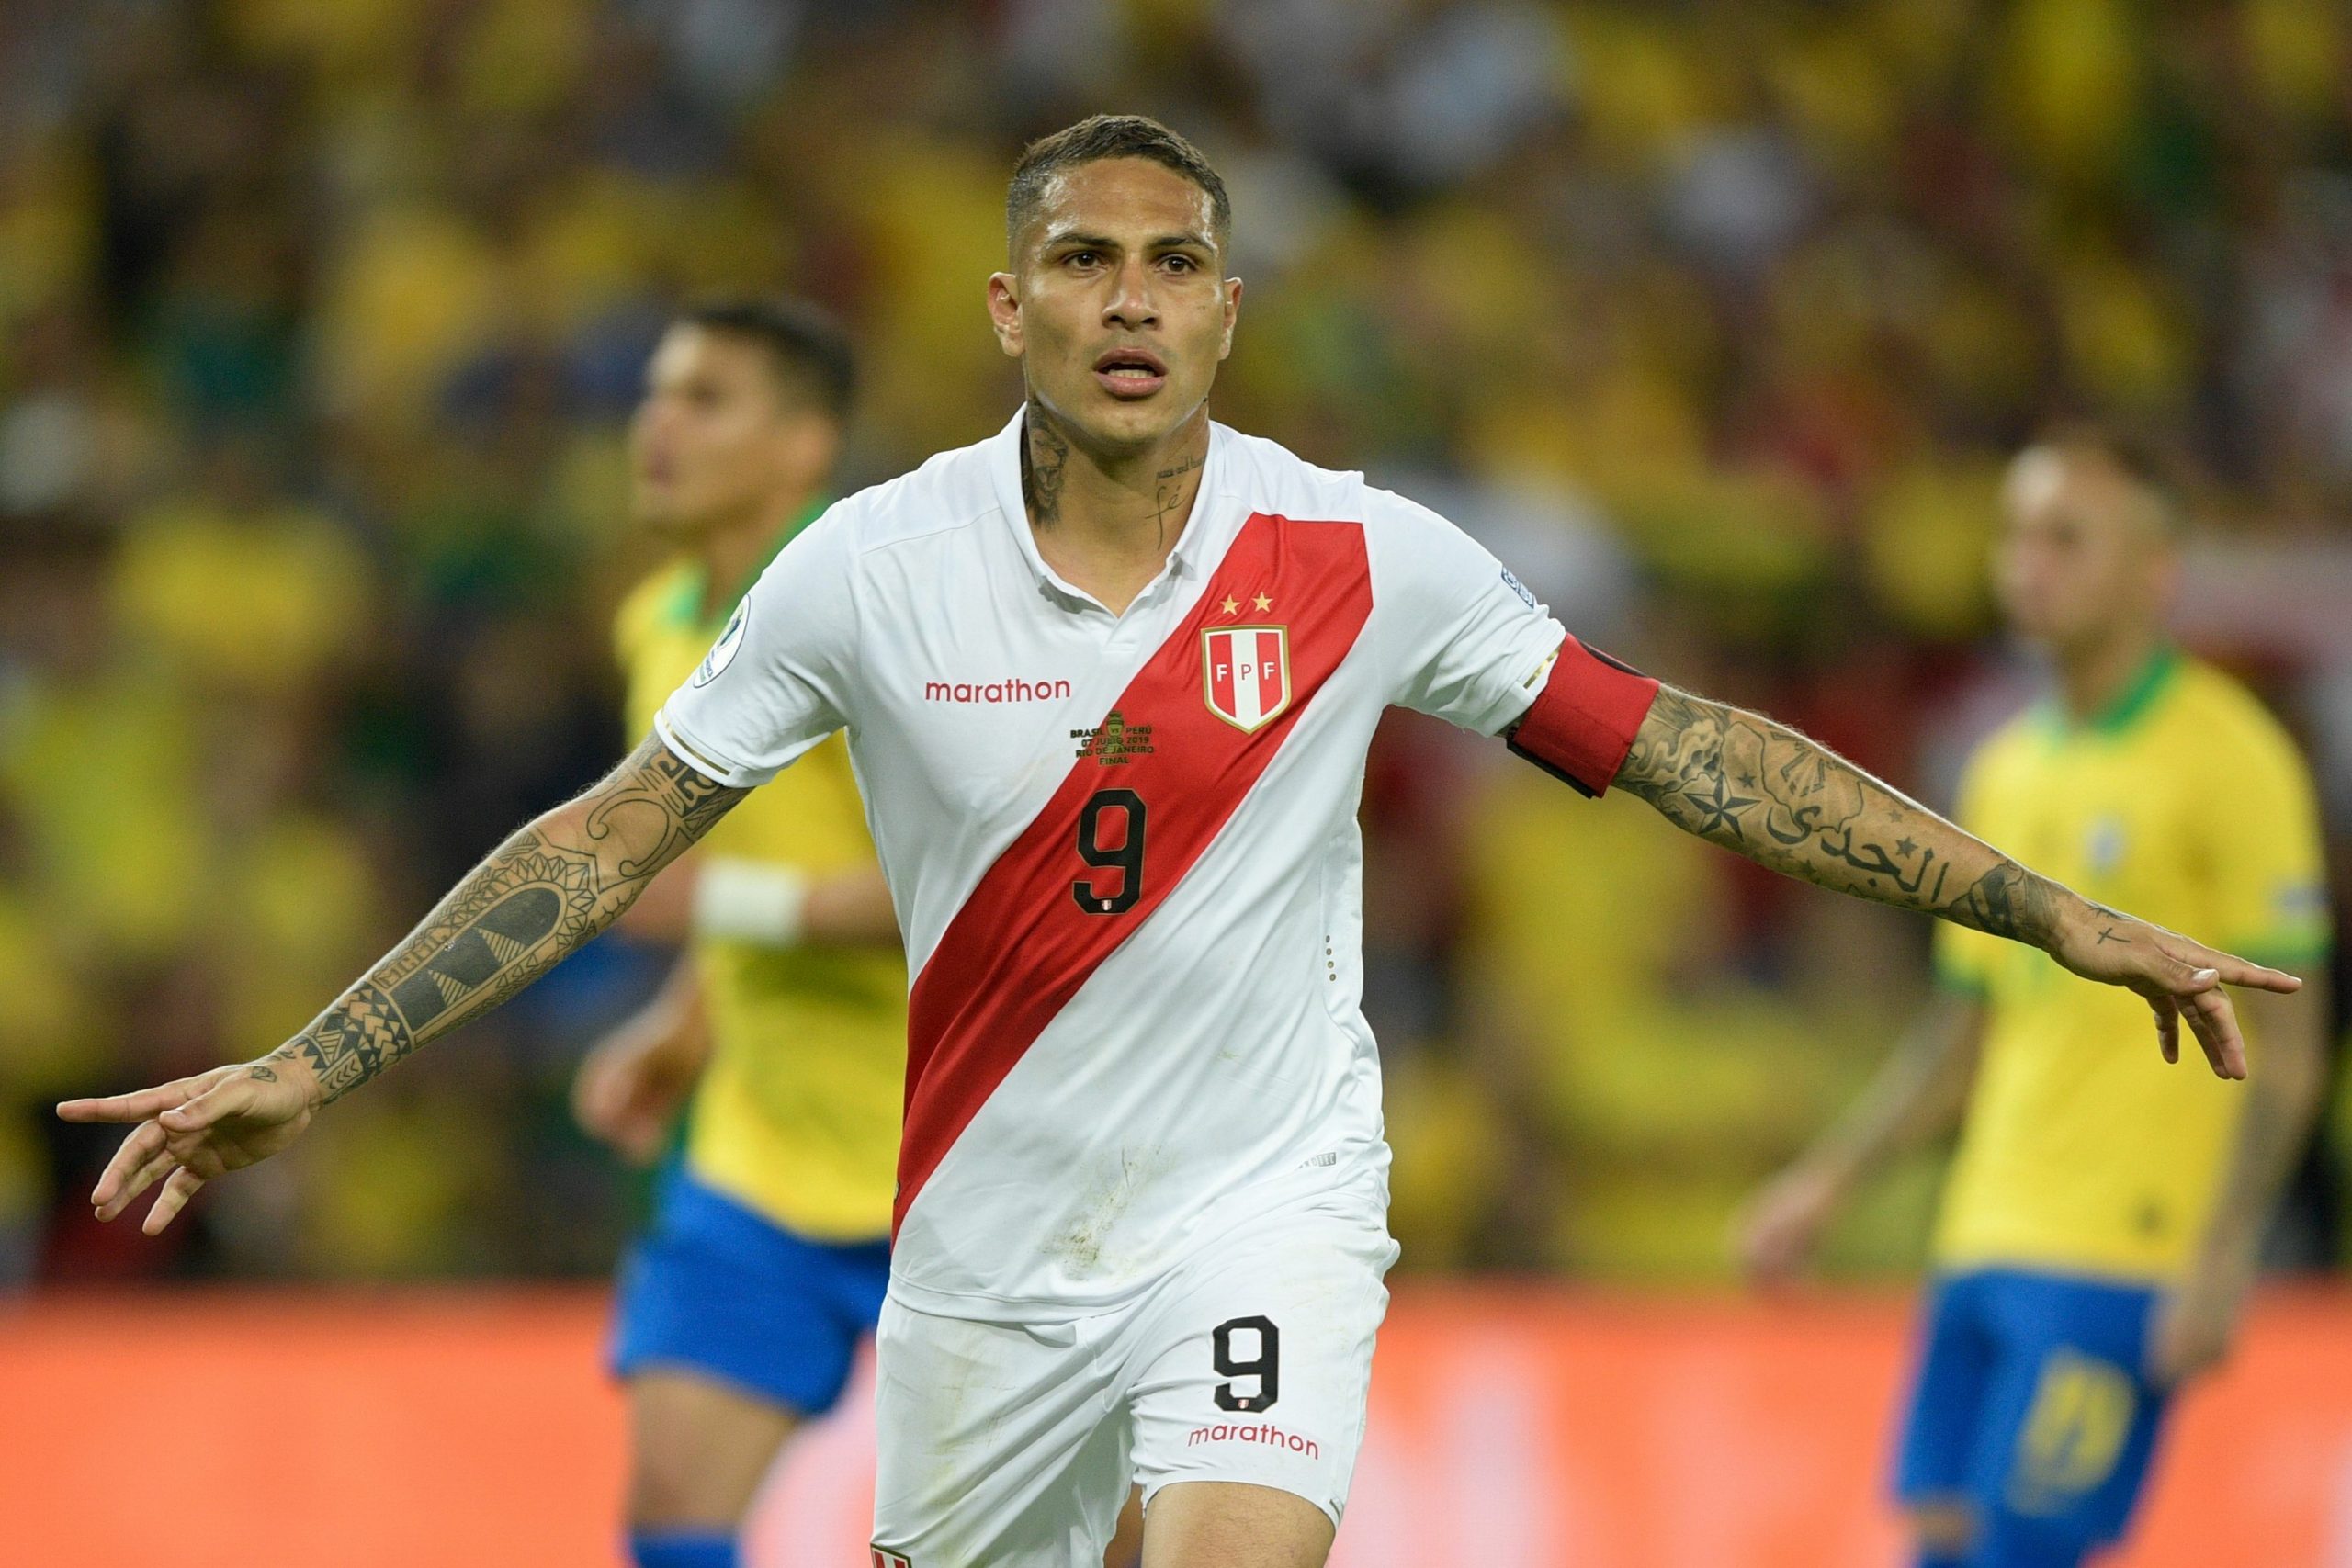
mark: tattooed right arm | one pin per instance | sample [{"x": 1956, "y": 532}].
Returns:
[
  {"x": 541, "y": 894},
  {"x": 544, "y": 892}
]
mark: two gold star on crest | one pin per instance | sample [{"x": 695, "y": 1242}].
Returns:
[{"x": 1232, "y": 606}]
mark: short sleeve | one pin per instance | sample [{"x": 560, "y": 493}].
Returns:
[
  {"x": 1470, "y": 643},
  {"x": 2262, "y": 834},
  {"x": 777, "y": 679}
]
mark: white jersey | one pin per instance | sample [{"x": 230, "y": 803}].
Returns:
[{"x": 1123, "y": 848}]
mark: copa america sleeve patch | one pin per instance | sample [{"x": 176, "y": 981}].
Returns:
[
  {"x": 722, "y": 653},
  {"x": 1583, "y": 722}
]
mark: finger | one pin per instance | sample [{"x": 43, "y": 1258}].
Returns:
[
  {"x": 2168, "y": 1013},
  {"x": 143, "y": 1143},
  {"x": 137, "y": 1106},
  {"x": 171, "y": 1200},
  {"x": 2233, "y": 971},
  {"x": 158, "y": 1166},
  {"x": 232, "y": 1098},
  {"x": 2215, "y": 1024}
]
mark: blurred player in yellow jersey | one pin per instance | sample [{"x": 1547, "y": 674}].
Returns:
[
  {"x": 741, "y": 1310},
  {"x": 2100, "y": 1222}
]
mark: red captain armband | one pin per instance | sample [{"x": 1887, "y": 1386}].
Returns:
[{"x": 1584, "y": 720}]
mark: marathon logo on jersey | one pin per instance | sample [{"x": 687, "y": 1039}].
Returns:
[
  {"x": 995, "y": 691},
  {"x": 722, "y": 653},
  {"x": 1245, "y": 674},
  {"x": 888, "y": 1559}
]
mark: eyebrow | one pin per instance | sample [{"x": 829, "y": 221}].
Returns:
[{"x": 1097, "y": 242}]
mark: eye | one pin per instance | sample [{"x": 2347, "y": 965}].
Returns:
[
  {"x": 1180, "y": 263},
  {"x": 1083, "y": 258}
]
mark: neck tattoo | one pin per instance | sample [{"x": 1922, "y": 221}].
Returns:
[
  {"x": 1044, "y": 454},
  {"x": 1168, "y": 498}
]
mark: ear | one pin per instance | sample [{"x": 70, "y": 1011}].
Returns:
[
  {"x": 1005, "y": 313},
  {"x": 1232, "y": 314}
]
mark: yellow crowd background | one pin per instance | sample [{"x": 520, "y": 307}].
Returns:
[{"x": 1716, "y": 319}]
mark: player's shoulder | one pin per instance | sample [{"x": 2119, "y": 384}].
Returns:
[
  {"x": 1271, "y": 477},
  {"x": 950, "y": 490},
  {"x": 2209, "y": 694},
  {"x": 2216, "y": 715},
  {"x": 1404, "y": 535}
]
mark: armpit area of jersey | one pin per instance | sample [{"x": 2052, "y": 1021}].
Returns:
[{"x": 1580, "y": 728}]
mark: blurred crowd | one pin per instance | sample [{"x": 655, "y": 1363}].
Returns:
[{"x": 1716, "y": 319}]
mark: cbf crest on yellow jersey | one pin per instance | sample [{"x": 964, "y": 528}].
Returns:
[
  {"x": 798, "y": 1113},
  {"x": 2187, "y": 804}
]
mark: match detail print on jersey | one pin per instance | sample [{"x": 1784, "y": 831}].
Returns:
[{"x": 1021, "y": 947}]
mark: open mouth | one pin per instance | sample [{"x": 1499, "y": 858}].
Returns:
[{"x": 1130, "y": 372}]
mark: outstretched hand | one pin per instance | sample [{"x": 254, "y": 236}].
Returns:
[
  {"x": 2180, "y": 979},
  {"x": 631, "y": 1087},
  {"x": 194, "y": 1129}
]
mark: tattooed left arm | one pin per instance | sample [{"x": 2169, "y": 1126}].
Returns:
[
  {"x": 559, "y": 881},
  {"x": 1764, "y": 791}
]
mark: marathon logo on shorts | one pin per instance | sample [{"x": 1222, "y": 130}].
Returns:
[
  {"x": 1245, "y": 674},
  {"x": 888, "y": 1559},
  {"x": 1264, "y": 1432}
]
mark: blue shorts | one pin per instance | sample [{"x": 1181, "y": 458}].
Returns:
[
  {"x": 2034, "y": 1409},
  {"x": 717, "y": 1287}
]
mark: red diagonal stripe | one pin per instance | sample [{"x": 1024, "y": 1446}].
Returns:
[{"x": 1021, "y": 946}]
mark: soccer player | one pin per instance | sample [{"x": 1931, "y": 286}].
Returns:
[
  {"x": 1109, "y": 677},
  {"x": 769, "y": 1250},
  {"x": 2100, "y": 1222}
]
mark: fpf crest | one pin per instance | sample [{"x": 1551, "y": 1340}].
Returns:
[{"x": 1245, "y": 674}]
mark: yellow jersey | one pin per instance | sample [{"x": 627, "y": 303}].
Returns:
[
  {"x": 2185, "y": 804},
  {"x": 798, "y": 1114}
]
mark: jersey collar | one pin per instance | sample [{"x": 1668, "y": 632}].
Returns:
[
  {"x": 1183, "y": 560},
  {"x": 2132, "y": 704}
]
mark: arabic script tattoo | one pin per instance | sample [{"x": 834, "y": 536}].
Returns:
[{"x": 1766, "y": 791}]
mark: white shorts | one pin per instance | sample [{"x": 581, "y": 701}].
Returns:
[{"x": 1014, "y": 1445}]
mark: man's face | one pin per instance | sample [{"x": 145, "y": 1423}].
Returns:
[
  {"x": 1115, "y": 305},
  {"x": 715, "y": 439},
  {"x": 2080, "y": 557}
]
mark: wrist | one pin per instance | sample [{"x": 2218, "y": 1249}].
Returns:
[
  {"x": 2068, "y": 916},
  {"x": 752, "y": 901},
  {"x": 291, "y": 1063}
]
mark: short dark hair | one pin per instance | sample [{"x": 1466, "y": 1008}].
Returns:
[
  {"x": 2132, "y": 458},
  {"x": 807, "y": 348},
  {"x": 1108, "y": 135}
]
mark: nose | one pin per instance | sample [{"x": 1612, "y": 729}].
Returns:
[{"x": 1131, "y": 306}]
